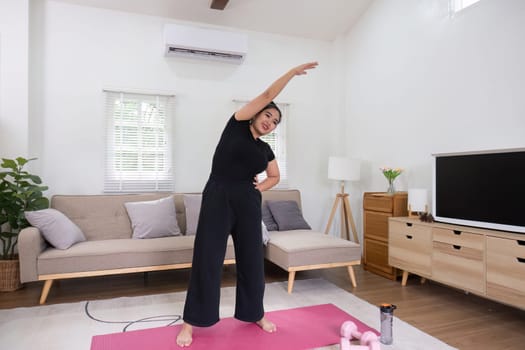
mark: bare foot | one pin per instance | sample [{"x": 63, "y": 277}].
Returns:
[
  {"x": 266, "y": 325},
  {"x": 184, "y": 338}
]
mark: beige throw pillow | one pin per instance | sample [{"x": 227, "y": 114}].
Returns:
[
  {"x": 192, "y": 204},
  {"x": 153, "y": 219},
  {"x": 56, "y": 228}
]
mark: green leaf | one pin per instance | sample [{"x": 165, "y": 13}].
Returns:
[
  {"x": 39, "y": 203},
  {"x": 35, "y": 179},
  {"x": 9, "y": 163},
  {"x": 22, "y": 161}
]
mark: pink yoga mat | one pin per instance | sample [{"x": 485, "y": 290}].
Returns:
[{"x": 297, "y": 329}]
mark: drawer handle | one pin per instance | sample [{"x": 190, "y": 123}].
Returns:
[
  {"x": 457, "y": 247},
  {"x": 409, "y": 224},
  {"x": 457, "y": 232},
  {"x": 521, "y": 260},
  {"x": 521, "y": 242},
  {"x": 409, "y": 236}
]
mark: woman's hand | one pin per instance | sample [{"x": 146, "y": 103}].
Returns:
[
  {"x": 302, "y": 69},
  {"x": 256, "y": 183},
  {"x": 272, "y": 177}
]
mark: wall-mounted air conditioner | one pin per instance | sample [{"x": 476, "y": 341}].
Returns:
[{"x": 195, "y": 42}]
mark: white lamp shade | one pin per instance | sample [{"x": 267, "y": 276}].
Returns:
[
  {"x": 342, "y": 168},
  {"x": 417, "y": 199}
]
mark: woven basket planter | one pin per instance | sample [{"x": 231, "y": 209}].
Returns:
[{"x": 9, "y": 275}]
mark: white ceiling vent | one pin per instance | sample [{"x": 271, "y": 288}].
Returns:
[{"x": 211, "y": 44}]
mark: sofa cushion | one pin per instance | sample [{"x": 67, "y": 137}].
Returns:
[
  {"x": 304, "y": 247},
  {"x": 192, "y": 204},
  {"x": 153, "y": 219},
  {"x": 121, "y": 253},
  {"x": 267, "y": 218},
  {"x": 287, "y": 215},
  {"x": 56, "y": 228}
]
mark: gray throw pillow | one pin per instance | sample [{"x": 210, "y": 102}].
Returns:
[
  {"x": 287, "y": 215},
  {"x": 153, "y": 219},
  {"x": 268, "y": 219},
  {"x": 192, "y": 204},
  {"x": 56, "y": 228}
]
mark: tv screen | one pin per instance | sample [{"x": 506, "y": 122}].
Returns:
[{"x": 483, "y": 189}]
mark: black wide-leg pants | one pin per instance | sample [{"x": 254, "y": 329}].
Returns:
[{"x": 227, "y": 208}]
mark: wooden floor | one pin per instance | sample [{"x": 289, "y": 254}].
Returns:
[{"x": 462, "y": 320}]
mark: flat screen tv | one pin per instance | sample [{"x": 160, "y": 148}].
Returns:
[{"x": 482, "y": 189}]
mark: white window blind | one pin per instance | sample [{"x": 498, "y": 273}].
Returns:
[
  {"x": 138, "y": 157},
  {"x": 277, "y": 141}
]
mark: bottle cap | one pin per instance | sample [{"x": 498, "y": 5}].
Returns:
[{"x": 387, "y": 307}]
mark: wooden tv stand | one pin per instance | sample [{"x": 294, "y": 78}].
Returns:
[{"x": 485, "y": 262}]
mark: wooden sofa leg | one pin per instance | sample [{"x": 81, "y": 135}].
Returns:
[
  {"x": 291, "y": 278},
  {"x": 352, "y": 275},
  {"x": 45, "y": 291}
]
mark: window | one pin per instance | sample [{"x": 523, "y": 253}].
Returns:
[
  {"x": 138, "y": 157},
  {"x": 277, "y": 141},
  {"x": 458, "y": 5}
]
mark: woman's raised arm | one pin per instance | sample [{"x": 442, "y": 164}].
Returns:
[{"x": 249, "y": 110}]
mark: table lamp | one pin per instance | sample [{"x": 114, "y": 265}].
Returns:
[{"x": 417, "y": 201}]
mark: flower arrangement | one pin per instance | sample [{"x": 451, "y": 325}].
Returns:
[{"x": 391, "y": 174}]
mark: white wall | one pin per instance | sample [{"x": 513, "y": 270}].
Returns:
[
  {"x": 77, "y": 51},
  {"x": 14, "y": 90},
  {"x": 419, "y": 82},
  {"x": 407, "y": 81}
]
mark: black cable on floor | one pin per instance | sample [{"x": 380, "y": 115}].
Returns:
[{"x": 172, "y": 318}]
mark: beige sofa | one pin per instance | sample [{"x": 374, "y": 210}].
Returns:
[
  {"x": 301, "y": 250},
  {"x": 109, "y": 248}
]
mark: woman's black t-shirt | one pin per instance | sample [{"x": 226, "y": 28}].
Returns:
[{"x": 239, "y": 156}]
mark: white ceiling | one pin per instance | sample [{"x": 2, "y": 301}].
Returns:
[{"x": 313, "y": 19}]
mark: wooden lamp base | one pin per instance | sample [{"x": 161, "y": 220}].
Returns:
[
  {"x": 412, "y": 214},
  {"x": 347, "y": 220}
]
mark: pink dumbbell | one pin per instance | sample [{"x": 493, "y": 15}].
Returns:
[
  {"x": 349, "y": 331},
  {"x": 368, "y": 339},
  {"x": 345, "y": 345}
]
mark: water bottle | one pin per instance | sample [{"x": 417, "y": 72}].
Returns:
[{"x": 387, "y": 315}]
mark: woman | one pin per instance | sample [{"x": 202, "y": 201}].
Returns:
[{"x": 231, "y": 204}]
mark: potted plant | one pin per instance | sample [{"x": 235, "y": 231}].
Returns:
[
  {"x": 20, "y": 191},
  {"x": 391, "y": 174}
]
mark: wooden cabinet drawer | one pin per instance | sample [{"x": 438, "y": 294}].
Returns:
[
  {"x": 459, "y": 266},
  {"x": 409, "y": 228},
  {"x": 410, "y": 247},
  {"x": 459, "y": 238},
  {"x": 376, "y": 225},
  {"x": 378, "y": 203},
  {"x": 507, "y": 247},
  {"x": 506, "y": 270},
  {"x": 376, "y": 256}
]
